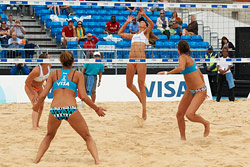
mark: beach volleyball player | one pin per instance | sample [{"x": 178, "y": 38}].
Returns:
[
  {"x": 137, "y": 51},
  {"x": 34, "y": 87},
  {"x": 65, "y": 83},
  {"x": 196, "y": 91}
]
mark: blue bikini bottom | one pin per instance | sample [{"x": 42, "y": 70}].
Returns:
[
  {"x": 198, "y": 90},
  {"x": 63, "y": 112}
]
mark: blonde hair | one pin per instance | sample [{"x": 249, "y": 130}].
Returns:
[{"x": 66, "y": 58}]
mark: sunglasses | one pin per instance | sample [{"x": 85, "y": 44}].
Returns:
[
  {"x": 3, "y": 23},
  {"x": 161, "y": 13},
  {"x": 79, "y": 24},
  {"x": 97, "y": 55}
]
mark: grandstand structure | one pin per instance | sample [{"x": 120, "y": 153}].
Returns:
[{"x": 45, "y": 32}]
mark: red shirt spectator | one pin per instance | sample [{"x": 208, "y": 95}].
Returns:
[
  {"x": 68, "y": 32},
  {"x": 91, "y": 43},
  {"x": 112, "y": 27}
]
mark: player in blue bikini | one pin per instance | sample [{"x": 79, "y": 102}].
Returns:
[
  {"x": 65, "y": 83},
  {"x": 196, "y": 91}
]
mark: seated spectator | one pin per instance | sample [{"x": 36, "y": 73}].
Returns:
[
  {"x": 68, "y": 32},
  {"x": 10, "y": 22},
  {"x": 226, "y": 43},
  {"x": 90, "y": 43},
  {"x": 112, "y": 27},
  {"x": 4, "y": 34},
  {"x": 20, "y": 30},
  {"x": 162, "y": 24},
  {"x": 20, "y": 69},
  {"x": 67, "y": 9},
  {"x": 134, "y": 27},
  {"x": 192, "y": 28},
  {"x": 14, "y": 42},
  {"x": 80, "y": 32},
  {"x": 56, "y": 9},
  {"x": 175, "y": 22}
]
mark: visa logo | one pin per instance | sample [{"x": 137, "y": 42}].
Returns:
[
  {"x": 168, "y": 86},
  {"x": 62, "y": 83}
]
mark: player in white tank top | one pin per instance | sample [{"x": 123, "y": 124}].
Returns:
[
  {"x": 137, "y": 51},
  {"x": 34, "y": 86}
]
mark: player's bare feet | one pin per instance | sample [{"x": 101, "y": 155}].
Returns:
[{"x": 207, "y": 129}]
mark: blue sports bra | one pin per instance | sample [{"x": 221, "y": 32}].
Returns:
[
  {"x": 64, "y": 81},
  {"x": 190, "y": 69}
]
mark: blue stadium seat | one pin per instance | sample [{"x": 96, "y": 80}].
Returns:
[
  {"x": 197, "y": 38},
  {"x": 168, "y": 14},
  {"x": 98, "y": 18},
  {"x": 184, "y": 25},
  {"x": 193, "y": 45},
  {"x": 123, "y": 45},
  {"x": 101, "y": 36},
  {"x": 98, "y": 30},
  {"x": 115, "y": 12},
  {"x": 126, "y": 13},
  {"x": 96, "y": 7},
  {"x": 157, "y": 13},
  {"x": 186, "y": 38},
  {"x": 163, "y": 37},
  {"x": 103, "y": 12},
  {"x": 157, "y": 31},
  {"x": 4, "y": 17},
  {"x": 91, "y": 24},
  {"x": 174, "y": 38}
]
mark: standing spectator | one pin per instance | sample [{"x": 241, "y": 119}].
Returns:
[
  {"x": 68, "y": 32},
  {"x": 10, "y": 22},
  {"x": 17, "y": 9},
  {"x": 211, "y": 69},
  {"x": 90, "y": 43},
  {"x": 130, "y": 8},
  {"x": 4, "y": 34},
  {"x": 139, "y": 18},
  {"x": 162, "y": 24},
  {"x": 56, "y": 9},
  {"x": 90, "y": 72},
  {"x": 226, "y": 43},
  {"x": 67, "y": 9},
  {"x": 30, "y": 9},
  {"x": 134, "y": 27},
  {"x": 20, "y": 30},
  {"x": 112, "y": 27},
  {"x": 14, "y": 42},
  {"x": 20, "y": 69},
  {"x": 80, "y": 32},
  {"x": 192, "y": 28},
  {"x": 175, "y": 22},
  {"x": 225, "y": 74}
]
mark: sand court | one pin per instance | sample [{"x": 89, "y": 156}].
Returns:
[{"x": 124, "y": 140}]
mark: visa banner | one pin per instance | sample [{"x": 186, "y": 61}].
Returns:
[{"x": 113, "y": 88}]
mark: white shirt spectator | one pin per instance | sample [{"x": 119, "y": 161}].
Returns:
[{"x": 224, "y": 64}]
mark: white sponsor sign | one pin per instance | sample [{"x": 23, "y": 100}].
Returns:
[{"x": 113, "y": 88}]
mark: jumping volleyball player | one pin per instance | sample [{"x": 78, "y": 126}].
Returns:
[
  {"x": 34, "y": 87},
  {"x": 137, "y": 51},
  {"x": 196, "y": 91}
]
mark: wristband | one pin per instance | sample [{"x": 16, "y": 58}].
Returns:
[{"x": 166, "y": 73}]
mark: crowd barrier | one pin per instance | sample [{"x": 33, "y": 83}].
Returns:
[{"x": 113, "y": 88}]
